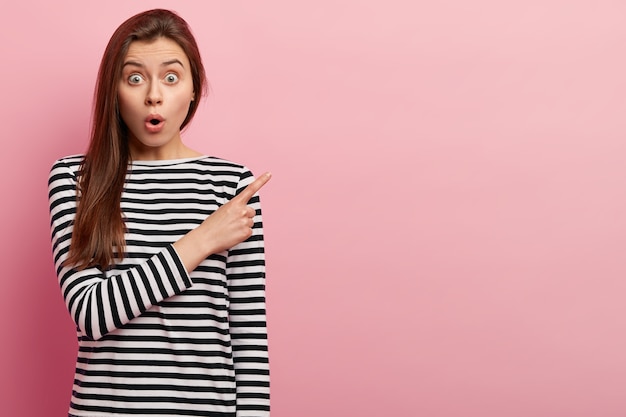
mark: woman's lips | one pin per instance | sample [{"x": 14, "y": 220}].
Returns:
[{"x": 154, "y": 123}]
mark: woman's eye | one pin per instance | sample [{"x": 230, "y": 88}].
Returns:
[
  {"x": 135, "y": 79},
  {"x": 171, "y": 78}
]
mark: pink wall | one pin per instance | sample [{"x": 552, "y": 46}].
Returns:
[{"x": 446, "y": 224}]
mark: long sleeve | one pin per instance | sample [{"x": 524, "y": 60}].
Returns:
[
  {"x": 246, "y": 288},
  {"x": 99, "y": 303}
]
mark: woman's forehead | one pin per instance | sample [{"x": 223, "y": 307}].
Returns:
[{"x": 158, "y": 49}]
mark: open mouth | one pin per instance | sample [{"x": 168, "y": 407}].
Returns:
[{"x": 154, "y": 123}]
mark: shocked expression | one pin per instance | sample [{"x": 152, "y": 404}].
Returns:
[{"x": 155, "y": 91}]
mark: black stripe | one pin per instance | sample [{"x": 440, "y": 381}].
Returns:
[
  {"x": 114, "y": 309},
  {"x": 160, "y": 411},
  {"x": 136, "y": 293}
]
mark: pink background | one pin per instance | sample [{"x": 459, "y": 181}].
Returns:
[{"x": 446, "y": 223}]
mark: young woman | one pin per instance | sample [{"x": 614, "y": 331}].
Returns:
[{"x": 158, "y": 248}]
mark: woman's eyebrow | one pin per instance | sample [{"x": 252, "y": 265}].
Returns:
[
  {"x": 164, "y": 64},
  {"x": 172, "y": 61}
]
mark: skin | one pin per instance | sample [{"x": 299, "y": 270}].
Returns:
[{"x": 156, "y": 80}]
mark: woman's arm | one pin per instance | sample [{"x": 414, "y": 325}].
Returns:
[{"x": 100, "y": 304}]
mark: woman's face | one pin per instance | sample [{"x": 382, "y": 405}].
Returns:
[{"x": 154, "y": 95}]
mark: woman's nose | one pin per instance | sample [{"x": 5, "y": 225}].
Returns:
[{"x": 154, "y": 95}]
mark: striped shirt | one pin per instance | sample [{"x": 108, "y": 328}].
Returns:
[{"x": 154, "y": 340}]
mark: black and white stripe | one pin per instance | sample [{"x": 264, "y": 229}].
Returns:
[{"x": 154, "y": 340}]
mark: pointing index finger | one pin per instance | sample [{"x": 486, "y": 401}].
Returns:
[{"x": 253, "y": 187}]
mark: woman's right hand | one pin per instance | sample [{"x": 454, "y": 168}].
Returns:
[
  {"x": 232, "y": 223},
  {"x": 227, "y": 226}
]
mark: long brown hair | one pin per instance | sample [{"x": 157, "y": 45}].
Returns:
[{"x": 98, "y": 234}]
